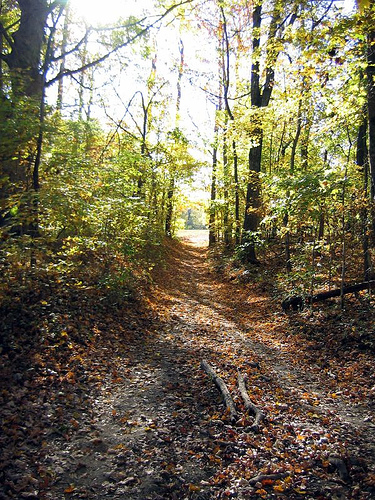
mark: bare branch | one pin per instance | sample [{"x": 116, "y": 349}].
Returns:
[
  {"x": 101, "y": 59},
  {"x": 316, "y": 23},
  {"x": 74, "y": 49}
]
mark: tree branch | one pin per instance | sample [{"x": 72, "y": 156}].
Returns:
[
  {"x": 4, "y": 32},
  {"x": 259, "y": 416},
  {"x": 101, "y": 59},
  {"x": 219, "y": 382}
]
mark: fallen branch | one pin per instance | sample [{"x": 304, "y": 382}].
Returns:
[
  {"x": 296, "y": 302},
  {"x": 259, "y": 416},
  {"x": 219, "y": 382}
]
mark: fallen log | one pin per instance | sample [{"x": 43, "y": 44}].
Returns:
[
  {"x": 221, "y": 385},
  {"x": 259, "y": 416},
  {"x": 296, "y": 302},
  {"x": 366, "y": 285}
]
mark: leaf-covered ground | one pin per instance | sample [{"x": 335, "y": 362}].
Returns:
[{"x": 105, "y": 402}]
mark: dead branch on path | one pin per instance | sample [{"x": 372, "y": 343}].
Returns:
[
  {"x": 259, "y": 416},
  {"x": 219, "y": 382}
]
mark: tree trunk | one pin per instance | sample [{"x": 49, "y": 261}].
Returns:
[
  {"x": 172, "y": 173},
  {"x": 371, "y": 110},
  {"x": 362, "y": 162},
  {"x": 227, "y": 232},
  {"x": 169, "y": 208},
  {"x": 237, "y": 230},
  {"x": 260, "y": 98},
  {"x": 27, "y": 73},
  {"x": 291, "y": 173},
  {"x": 24, "y": 59},
  {"x": 212, "y": 219},
  {"x": 253, "y": 201},
  {"x": 60, "y": 89}
]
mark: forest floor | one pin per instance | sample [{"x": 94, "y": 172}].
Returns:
[{"x": 129, "y": 413}]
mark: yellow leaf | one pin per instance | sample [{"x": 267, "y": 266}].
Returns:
[
  {"x": 279, "y": 488},
  {"x": 70, "y": 489},
  {"x": 193, "y": 487},
  {"x": 262, "y": 493}
]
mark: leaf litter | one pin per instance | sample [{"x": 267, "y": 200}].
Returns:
[{"x": 101, "y": 402}]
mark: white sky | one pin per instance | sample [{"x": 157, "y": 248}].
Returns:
[{"x": 102, "y": 12}]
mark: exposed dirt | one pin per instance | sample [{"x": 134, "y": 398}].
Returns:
[{"x": 155, "y": 427}]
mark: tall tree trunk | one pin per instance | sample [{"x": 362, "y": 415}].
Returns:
[
  {"x": 343, "y": 232},
  {"x": 1, "y": 60},
  {"x": 172, "y": 173},
  {"x": 260, "y": 97},
  {"x": 362, "y": 162},
  {"x": 28, "y": 73},
  {"x": 212, "y": 218},
  {"x": 237, "y": 230},
  {"x": 227, "y": 232},
  {"x": 60, "y": 88},
  {"x": 253, "y": 192},
  {"x": 226, "y": 84},
  {"x": 253, "y": 200},
  {"x": 24, "y": 58},
  {"x": 371, "y": 110},
  {"x": 169, "y": 207},
  {"x": 291, "y": 174},
  {"x": 19, "y": 108}
]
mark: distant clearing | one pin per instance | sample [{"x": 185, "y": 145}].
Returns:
[{"x": 196, "y": 237}]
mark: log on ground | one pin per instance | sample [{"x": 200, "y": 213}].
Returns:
[{"x": 296, "y": 302}]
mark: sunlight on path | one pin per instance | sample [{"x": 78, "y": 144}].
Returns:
[{"x": 194, "y": 237}]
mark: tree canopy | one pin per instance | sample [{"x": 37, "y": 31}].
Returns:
[{"x": 103, "y": 125}]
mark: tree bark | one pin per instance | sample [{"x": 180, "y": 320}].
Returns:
[
  {"x": 237, "y": 230},
  {"x": 172, "y": 173},
  {"x": 259, "y": 416},
  {"x": 362, "y": 162},
  {"x": 60, "y": 89},
  {"x": 24, "y": 58},
  {"x": 219, "y": 382},
  {"x": 260, "y": 97},
  {"x": 212, "y": 219},
  {"x": 169, "y": 207},
  {"x": 227, "y": 231},
  {"x": 370, "y": 71}
]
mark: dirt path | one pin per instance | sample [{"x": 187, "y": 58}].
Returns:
[{"x": 159, "y": 430}]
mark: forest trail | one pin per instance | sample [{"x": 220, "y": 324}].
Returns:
[{"x": 156, "y": 428}]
